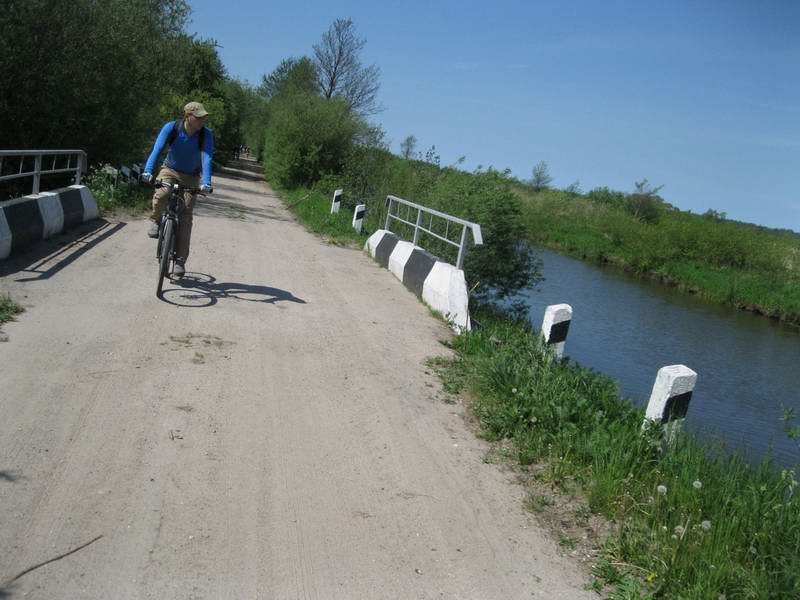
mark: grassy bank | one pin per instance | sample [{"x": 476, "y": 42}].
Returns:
[
  {"x": 744, "y": 266},
  {"x": 691, "y": 522},
  {"x": 8, "y": 309},
  {"x": 313, "y": 209}
]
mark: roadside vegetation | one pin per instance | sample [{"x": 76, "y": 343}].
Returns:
[
  {"x": 8, "y": 309},
  {"x": 690, "y": 522},
  {"x": 727, "y": 262}
]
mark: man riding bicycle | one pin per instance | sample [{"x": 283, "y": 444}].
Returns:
[{"x": 191, "y": 148}]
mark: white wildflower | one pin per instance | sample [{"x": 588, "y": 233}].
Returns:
[
  {"x": 662, "y": 489},
  {"x": 679, "y": 530},
  {"x": 706, "y": 525},
  {"x": 697, "y": 484}
]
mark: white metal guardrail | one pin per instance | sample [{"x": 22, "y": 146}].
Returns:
[
  {"x": 62, "y": 162},
  {"x": 422, "y": 214}
]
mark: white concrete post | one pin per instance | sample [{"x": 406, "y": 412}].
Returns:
[
  {"x": 669, "y": 400},
  {"x": 336, "y": 204},
  {"x": 79, "y": 170},
  {"x": 358, "y": 217},
  {"x": 555, "y": 326},
  {"x": 37, "y": 173}
]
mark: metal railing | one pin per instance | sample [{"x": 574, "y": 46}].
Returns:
[
  {"x": 422, "y": 213},
  {"x": 41, "y": 157}
]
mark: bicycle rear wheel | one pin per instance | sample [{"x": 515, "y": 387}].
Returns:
[{"x": 167, "y": 243}]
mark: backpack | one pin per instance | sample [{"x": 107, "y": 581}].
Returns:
[{"x": 174, "y": 133}]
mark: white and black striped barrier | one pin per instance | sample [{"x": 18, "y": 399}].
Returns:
[
  {"x": 555, "y": 326},
  {"x": 32, "y": 218},
  {"x": 336, "y": 203},
  {"x": 669, "y": 400},
  {"x": 358, "y": 217},
  {"x": 438, "y": 284}
]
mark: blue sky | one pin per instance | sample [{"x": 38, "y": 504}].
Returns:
[{"x": 700, "y": 97}]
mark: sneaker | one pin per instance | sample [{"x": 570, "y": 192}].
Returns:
[
  {"x": 178, "y": 270},
  {"x": 153, "y": 231}
]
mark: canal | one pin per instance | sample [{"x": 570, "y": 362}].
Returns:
[{"x": 748, "y": 366}]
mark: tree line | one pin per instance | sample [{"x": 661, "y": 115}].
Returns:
[{"x": 105, "y": 76}]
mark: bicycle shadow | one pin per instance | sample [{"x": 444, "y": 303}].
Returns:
[{"x": 200, "y": 290}]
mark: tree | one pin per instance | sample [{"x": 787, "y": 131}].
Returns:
[
  {"x": 541, "y": 177},
  {"x": 340, "y": 72},
  {"x": 645, "y": 188},
  {"x": 96, "y": 64},
  {"x": 307, "y": 137},
  {"x": 292, "y": 75},
  {"x": 715, "y": 215},
  {"x": 644, "y": 203},
  {"x": 200, "y": 65},
  {"x": 407, "y": 147},
  {"x": 574, "y": 188}
]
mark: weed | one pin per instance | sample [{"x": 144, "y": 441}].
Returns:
[
  {"x": 538, "y": 502},
  {"x": 8, "y": 308},
  {"x": 567, "y": 542}
]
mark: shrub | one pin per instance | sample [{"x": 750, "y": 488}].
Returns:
[{"x": 307, "y": 136}]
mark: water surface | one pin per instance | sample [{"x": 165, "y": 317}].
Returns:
[{"x": 748, "y": 366}]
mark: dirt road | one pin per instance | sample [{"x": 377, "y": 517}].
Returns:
[{"x": 268, "y": 431}]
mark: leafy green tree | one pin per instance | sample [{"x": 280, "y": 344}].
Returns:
[
  {"x": 200, "y": 65},
  {"x": 504, "y": 264},
  {"x": 292, "y": 75},
  {"x": 101, "y": 72},
  {"x": 307, "y": 137}
]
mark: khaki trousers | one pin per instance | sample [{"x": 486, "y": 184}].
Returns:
[{"x": 160, "y": 199}]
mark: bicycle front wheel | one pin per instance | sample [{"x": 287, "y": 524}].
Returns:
[{"x": 167, "y": 243}]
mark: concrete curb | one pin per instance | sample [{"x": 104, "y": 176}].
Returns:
[
  {"x": 440, "y": 285},
  {"x": 27, "y": 220}
]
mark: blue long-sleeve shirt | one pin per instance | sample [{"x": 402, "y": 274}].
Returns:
[{"x": 183, "y": 155}]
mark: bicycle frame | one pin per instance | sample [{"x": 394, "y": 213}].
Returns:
[
  {"x": 168, "y": 228},
  {"x": 172, "y": 212}
]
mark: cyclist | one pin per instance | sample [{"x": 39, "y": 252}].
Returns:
[{"x": 191, "y": 148}]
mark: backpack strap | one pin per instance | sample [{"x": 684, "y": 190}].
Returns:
[{"x": 174, "y": 133}]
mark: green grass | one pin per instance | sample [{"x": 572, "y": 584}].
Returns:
[
  {"x": 730, "y": 263},
  {"x": 692, "y": 522},
  {"x": 8, "y": 309},
  {"x": 313, "y": 209},
  {"x": 122, "y": 197}
]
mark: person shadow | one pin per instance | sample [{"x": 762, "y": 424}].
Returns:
[{"x": 202, "y": 290}]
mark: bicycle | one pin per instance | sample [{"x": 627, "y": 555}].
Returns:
[{"x": 168, "y": 229}]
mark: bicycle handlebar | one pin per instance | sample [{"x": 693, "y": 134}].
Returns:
[{"x": 179, "y": 188}]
